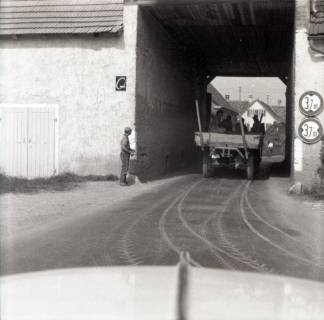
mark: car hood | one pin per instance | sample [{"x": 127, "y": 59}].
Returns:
[{"x": 158, "y": 293}]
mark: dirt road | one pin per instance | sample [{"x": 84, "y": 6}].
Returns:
[{"x": 224, "y": 222}]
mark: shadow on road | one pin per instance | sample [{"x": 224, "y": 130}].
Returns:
[
  {"x": 267, "y": 170},
  {"x": 273, "y": 169},
  {"x": 269, "y": 167}
]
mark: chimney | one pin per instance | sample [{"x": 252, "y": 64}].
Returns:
[
  {"x": 250, "y": 98},
  {"x": 227, "y": 97},
  {"x": 279, "y": 102}
]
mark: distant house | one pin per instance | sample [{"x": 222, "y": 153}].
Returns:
[
  {"x": 257, "y": 107},
  {"x": 219, "y": 102},
  {"x": 280, "y": 111},
  {"x": 239, "y": 106}
]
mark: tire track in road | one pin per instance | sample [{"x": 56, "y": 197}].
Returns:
[
  {"x": 286, "y": 234},
  {"x": 266, "y": 239},
  {"x": 203, "y": 232},
  {"x": 139, "y": 229},
  {"x": 128, "y": 250},
  {"x": 217, "y": 250},
  {"x": 106, "y": 257},
  {"x": 237, "y": 252},
  {"x": 127, "y": 246},
  {"x": 128, "y": 242},
  {"x": 301, "y": 244},
  {"x": 162, "y": 223}
]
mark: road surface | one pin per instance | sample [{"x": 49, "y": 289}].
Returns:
[{"x": 224, "y": 222}]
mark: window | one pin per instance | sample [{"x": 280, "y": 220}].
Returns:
[{"x": 258, "y": 112}]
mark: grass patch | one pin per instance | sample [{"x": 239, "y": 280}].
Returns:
[
  {"x": 61, "y": 182},
  {"x": 318, "y": 193}
]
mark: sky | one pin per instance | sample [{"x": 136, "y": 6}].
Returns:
[{"x": 258, "y": 87}]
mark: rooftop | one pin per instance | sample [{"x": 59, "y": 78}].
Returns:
[
  {"x": 279, "y": 112},
  {"x": 218, "y": 99},
  {"x": 19, "y": 17},
  {"x": 316, "y": 26},
  {"x": 239, "y": 106}
]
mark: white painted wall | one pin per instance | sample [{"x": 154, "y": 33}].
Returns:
[
  {"x": 267, "y": 118},
  {"x": 309, "y": 75},
  {"x": 77, "y": 73}
]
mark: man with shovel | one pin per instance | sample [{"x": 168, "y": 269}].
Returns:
[{"x": 125, "y": 154}]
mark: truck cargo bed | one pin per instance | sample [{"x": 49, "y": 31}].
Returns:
[{"x": 226, "y": 140}]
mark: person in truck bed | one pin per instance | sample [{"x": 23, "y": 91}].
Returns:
[
  {"x": 257, "y": 127},
  {"x": 216, "y": 122},
  {"x": 227, "y": 124},
  {"x": 238, "y": 126}
]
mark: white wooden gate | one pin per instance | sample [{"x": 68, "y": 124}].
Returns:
[{"x": 28, "y": 140}]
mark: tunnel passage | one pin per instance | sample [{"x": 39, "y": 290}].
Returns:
[{"x": 181, "y": 48}]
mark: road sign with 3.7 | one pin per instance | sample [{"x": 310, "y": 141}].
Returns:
[
  {"x": 311, "y": 103},
  {"x": 310, "y": 130}
]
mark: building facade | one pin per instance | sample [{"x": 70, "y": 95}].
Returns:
[
  {"x": 263, "y": 111},
  {"x": 57, "y": 91},
  {"x": 308, "y": 74},
  {"x": 73, "y": 75}
]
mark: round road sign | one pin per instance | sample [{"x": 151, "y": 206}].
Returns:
[
  {"x": 310, "y": 130},
  {"x": 311, "y": 103}
]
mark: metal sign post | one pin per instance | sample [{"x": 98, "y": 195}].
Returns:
[
  {"x": 199, "y": 125},
  {"x": 243, "y": 138}
]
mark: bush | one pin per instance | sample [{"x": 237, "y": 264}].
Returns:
[
  {"x": 56, "y": 183},
  {"x": 319, "y": 191}
]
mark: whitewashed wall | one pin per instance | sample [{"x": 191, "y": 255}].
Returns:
[
  {"x": 77, "y": 73},
  {"x": 267, "y": 119},
  {"x": 309, "y": 75}
]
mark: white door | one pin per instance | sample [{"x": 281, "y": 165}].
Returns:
[
  {"x": 41, "y": 142},
  {"x": 28, "y": 144},
  {"x": 13, "y": 139}
]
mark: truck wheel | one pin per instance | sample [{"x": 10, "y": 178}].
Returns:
[
  {"x": 251, "y": 167},
  {"x": 206, "y": 169}
]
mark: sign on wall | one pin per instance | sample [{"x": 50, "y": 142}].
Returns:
[
  {"x": 120, "y": 83},
  {"x": 310, "y": 130},
  {"x": 311, "y": 103}
]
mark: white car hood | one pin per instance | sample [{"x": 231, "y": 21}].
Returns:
[{"x": 152, "y": 293}]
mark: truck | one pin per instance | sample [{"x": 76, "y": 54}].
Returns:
[{"x": 236, "y": 150}]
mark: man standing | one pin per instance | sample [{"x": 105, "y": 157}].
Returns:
[
  {"x": 270, "y": 147},
  {"x": 216, "y": 122},
  {"x": 125, "y": 153},
  {"x": 257, "y": 127}
]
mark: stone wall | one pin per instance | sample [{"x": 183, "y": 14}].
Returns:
[{"x": 165, "y": 110}]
